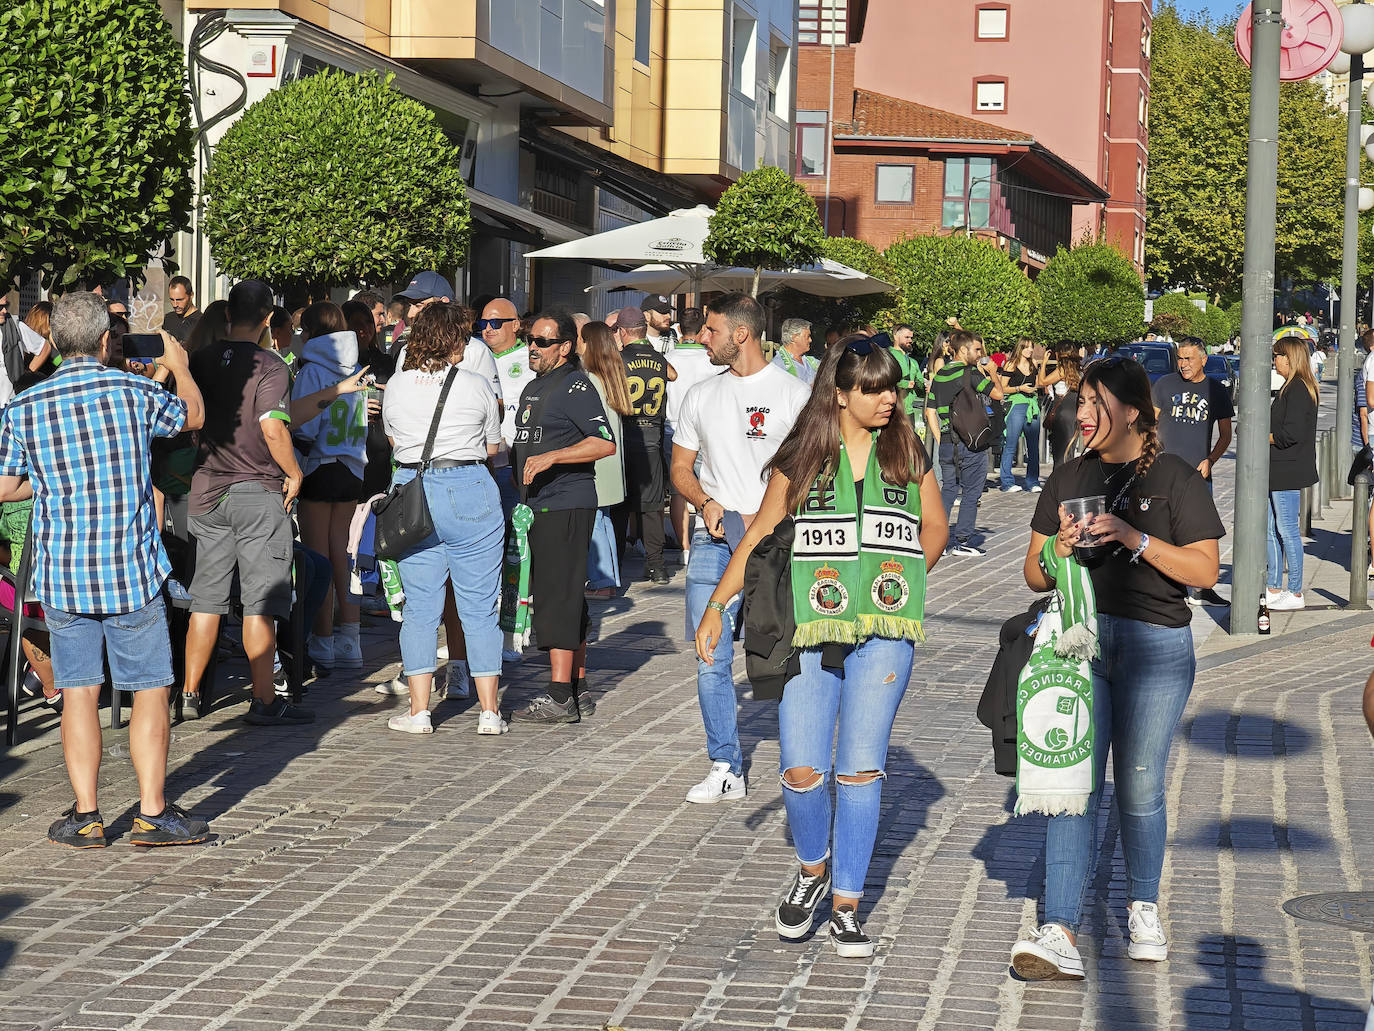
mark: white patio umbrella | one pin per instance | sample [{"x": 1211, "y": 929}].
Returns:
[
  {"x": 674, "y": 240},
  {"x": 826, "y": 278}
]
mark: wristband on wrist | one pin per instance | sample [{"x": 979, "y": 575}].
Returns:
[
  {"x": 719, "y": 607},
  {"x": 1140, "y": 548}
]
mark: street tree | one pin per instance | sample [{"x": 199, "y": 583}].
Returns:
[
  {"x": 764, "y": 221},
  {"x": 336, "y": 179},
  {"x": 96, "y": 138},
  {"x": 966, "y": 278},
  {"x": 1091, "y": 294}
]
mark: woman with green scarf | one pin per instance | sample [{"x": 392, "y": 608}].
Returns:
[{"x": 868, "y": 525}]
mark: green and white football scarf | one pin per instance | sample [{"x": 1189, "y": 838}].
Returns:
[
  {"x": 1054, "y": 697},
  {"x": 790, "y": 364},
  {"x": 515, "y": 578},
  {"x": 857, "y": 575}
]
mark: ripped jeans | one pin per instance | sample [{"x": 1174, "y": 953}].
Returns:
[
  {"x": 863, "y": 703},
  {"x": 1141, "y": 682}
]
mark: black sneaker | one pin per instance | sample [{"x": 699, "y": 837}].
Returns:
[
  {"x": 280, "y": 713},
  {"x": 84, "y": 830},
  {"x": 967, "y": 549},
  {"x": 658, "y": 576},
  {"x": 848, "y": 935},
  {"x": 282, "y": 687},
  {"x": 189, "y": 706},
  {"x": 797, "y": 909},
  {"x": 173, "y": 826},
  {"x": 545, "y": 710},
  {"x": 1210, "y": 597}
]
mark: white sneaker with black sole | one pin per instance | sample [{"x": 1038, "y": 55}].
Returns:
[
  {"x": 1046, "y": 954},
  {"x": 1148, "y": 942},
  {"x": 848, "y": 935},
  {"x": 797, "y": 910},
  {"x": 720, "y": 785}
]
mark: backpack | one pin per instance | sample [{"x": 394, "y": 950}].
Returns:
[{"x": 968, "y": 417}]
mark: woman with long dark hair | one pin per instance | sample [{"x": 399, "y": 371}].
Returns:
[
  {"x": 1156, "y": 536},
  {"x": 869, "y": 524},
  {"x": 1292, "y": 466},
  {"x": 1018, "y": 376},
  {"x": 601, "y": 361},
  {"x": 1062, "y": 383}
]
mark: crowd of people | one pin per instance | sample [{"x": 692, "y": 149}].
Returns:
[{"x": 232, "y": 465}]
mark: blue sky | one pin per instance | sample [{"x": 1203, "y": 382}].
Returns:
[{"x": 1218, "y": 9}]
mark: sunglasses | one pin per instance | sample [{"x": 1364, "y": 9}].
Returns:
[
  {"x": 867, "y": 345},
  {"x": 482, "y": 324},
  {"x": 543, "y": 342}
]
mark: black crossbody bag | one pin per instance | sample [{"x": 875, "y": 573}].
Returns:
[{"x": 403, "y": 518}]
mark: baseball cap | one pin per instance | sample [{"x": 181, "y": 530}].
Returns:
[
  {"x": 425, "y": 285},
  {"x": 629, "y": 318},
  {"x": 659, "y": 305}
]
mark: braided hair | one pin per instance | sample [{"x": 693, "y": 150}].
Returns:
[{"x": 1125, "y": 379}]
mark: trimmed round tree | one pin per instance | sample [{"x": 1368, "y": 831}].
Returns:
[
  {"x": 764, "y": 221},
  {"x": 1090, "y": 295},
  {"x": 97, "y": 139},
  {"x": 1176, "y": 315},
  {"x": 336, "y": 179},
  {"x": 966, "y": 278}
]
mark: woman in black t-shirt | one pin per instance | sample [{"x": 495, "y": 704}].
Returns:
[
  {"x": 1160, "y": 532},
  {"x": 1018, "y": 378},
  {"x": 1061, "y": 382}
]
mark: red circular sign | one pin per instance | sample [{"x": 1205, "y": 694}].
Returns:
[{"x": 1311, "y": 37}]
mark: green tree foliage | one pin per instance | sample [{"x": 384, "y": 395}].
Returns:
[
  {"x": 966, "y": 278},
  {"x": 1090, "y": 295},
  {"x": 764, "y": 221},
  {"x": 1178, "y": 316},
  {"x": 1216, "y": 326},
  {"x": 1199, "y": 125},
  {"x": 336, "y": 179},
  {"x": 844, "y": 313},
  {"x": 95, "y": 129}
]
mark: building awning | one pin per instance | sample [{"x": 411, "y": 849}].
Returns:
[{"x": 513, "y": 222}]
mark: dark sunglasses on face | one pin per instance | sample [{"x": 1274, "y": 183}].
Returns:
[
  {"x": 543, "y": 342},
  {"x": 867, "y": 344},
  {"x": 484, "y": 324}
]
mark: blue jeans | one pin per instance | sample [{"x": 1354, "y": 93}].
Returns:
[
  {"x": 135, "y": 644},
  {"x": 603, "y": 564},
  {"x": 1019, "y": 424},
  {"x": 862, "y": 704},
  {"x": 1285, "y": 539},
  {"x": 1141, "y": 682},
  {"x": 467, "y": 547},
  {"x": 715, "y": 684},
  {"x": 964, "y": 472}
]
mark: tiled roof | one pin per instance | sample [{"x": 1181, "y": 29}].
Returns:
[{"x": 876, "y": 114}]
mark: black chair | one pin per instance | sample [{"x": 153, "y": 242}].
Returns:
[{"x": 16, "y": 622}]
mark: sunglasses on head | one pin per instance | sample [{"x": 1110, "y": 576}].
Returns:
[
  {"x": 484, "y": 324},
  {"x": 866, "y": 345},
  {"x": 543, "y": 342}
]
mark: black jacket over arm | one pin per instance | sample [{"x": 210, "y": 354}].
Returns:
[{"x": 1293, "y": 425}]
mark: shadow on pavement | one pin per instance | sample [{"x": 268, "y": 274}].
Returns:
[
  {"x": 1236, "y": 968},
  {"x": 1249, "y": 736},
  {"x": 1013, "y": 852},
  {"x": 1246, "y": 833}
]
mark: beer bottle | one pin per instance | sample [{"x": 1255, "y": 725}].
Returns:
[{"x": 1264, "y": 615}]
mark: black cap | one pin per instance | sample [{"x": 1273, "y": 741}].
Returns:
[{"x": 659, "y": 304}]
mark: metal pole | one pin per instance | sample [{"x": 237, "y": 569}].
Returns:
[
  {"x": 1359, "y": 544},
  {"x": 1350, "y": 305},
  {"x": 1252, "y": 440}
]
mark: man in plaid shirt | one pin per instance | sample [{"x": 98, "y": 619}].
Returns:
[{"x": 78, "y": 444}]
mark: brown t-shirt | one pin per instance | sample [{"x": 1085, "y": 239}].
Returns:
[{"x": 242, "y": 384}]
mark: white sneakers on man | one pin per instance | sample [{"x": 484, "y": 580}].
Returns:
[
  {"x": 1046, "y": 954},
  {"x": 720, "y": 785},
  {"x": 1148, "y": 942}
]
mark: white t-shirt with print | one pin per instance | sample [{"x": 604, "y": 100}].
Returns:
[
  {"x": 735, "y": 424},
  {"x": 471, "y": 419},
  {"x": 514, "y": 369}
]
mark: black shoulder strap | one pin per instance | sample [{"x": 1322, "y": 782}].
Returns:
[{"x": 438, "y": 411}]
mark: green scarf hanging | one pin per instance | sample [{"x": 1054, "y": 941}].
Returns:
[{"x": 857, "y": 575}]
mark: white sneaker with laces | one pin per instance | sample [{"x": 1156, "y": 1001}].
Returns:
[
  {"x": 1287, "y": 601},
  {"x": 348, "y": 652},
  {"x": 720, "y": 785},
  {"x": 1046, "y": 954},
  {"x": 321, "y": 651},
  {"x": 459, "y": 679},
  {"x": 396, "y": 686},
  {"x": 1147, "y": 933},
  {"x": 1036, "y": 489},
  {"x": 408, "y": 724},
  {"x": 491, "y": 723}
]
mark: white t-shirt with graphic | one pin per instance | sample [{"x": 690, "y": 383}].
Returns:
[
  {"x": 514, "y": 369},
  {"x": 735, "y": 424}
]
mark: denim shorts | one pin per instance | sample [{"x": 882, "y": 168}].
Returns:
[{"x": 136, "y": 643}]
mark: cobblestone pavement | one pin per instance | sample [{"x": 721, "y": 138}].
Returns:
[{"x": 556, "y": 878}]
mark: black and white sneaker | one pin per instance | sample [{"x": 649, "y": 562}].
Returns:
[
  {"x": 797, "y": 909},
  {"x": 966, "y": 549},
  {"x": 848, "y": 935}
]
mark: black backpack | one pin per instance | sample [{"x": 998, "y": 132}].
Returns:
[{"x": 968, "y": 416}]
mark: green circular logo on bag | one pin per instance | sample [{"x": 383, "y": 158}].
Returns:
[{"x": 1055, "y": 700}]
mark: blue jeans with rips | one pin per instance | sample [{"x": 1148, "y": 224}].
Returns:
[
  {"x": 715, "y": 684},
  {"x": 1142, "y": 678},
  {"x": 861, "y": 704}
]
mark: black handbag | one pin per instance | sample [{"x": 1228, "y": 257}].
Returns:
[
  {"x": 403, "y": 518},
  {"x": 1362, "y": 463}
]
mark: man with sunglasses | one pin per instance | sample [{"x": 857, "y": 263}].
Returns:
[
  {"x": 499, "y": 329},
  {"x": 561, "y": 431}
]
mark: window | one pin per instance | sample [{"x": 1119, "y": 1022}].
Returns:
[
  {"x": 813, "y": 143},
  {"x": 1145, "y": 41},
  {"x": 1144, "y": 107},
  {"x": 742, "y": 57},
  {"x": 991, "y": 22},
  {"x": 643, "y": 10},
  {"x": 895, "y": 184},
  {"x": 1139, "y": 176},
  {"x": 967, "y": 193},
  {"x": 990, "y": 95},
  {"x": 823, "y": 21},
  {"x": 779, "y": 79}
]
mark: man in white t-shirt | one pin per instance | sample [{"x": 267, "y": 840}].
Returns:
[
  {"x": 498, "y": 327},
  {"x": 733, "y": 423}
]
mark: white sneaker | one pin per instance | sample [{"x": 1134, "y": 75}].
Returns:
[
  {"x": 1271, "y": 596},
  {"x": 491, "y": 723},
  {"x": 442, "y": 653},
  {"x": 1036, "y": 489},
  {"x": 459, "y": 679},
  {"x": 408, "y": 724},
  {"x": 348, "y": 652},
  {"x": 320, "y": 651},
  {"x": 1046, "y": 954},
  {"x": 1147, "y": 933},
  {"x": 396, "y": 686},
  {"x": 720, "y": 785},
  {"x": 1287, "y": 602}
]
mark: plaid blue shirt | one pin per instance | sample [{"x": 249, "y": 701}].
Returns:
[{"x": 83, "y": 438}]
